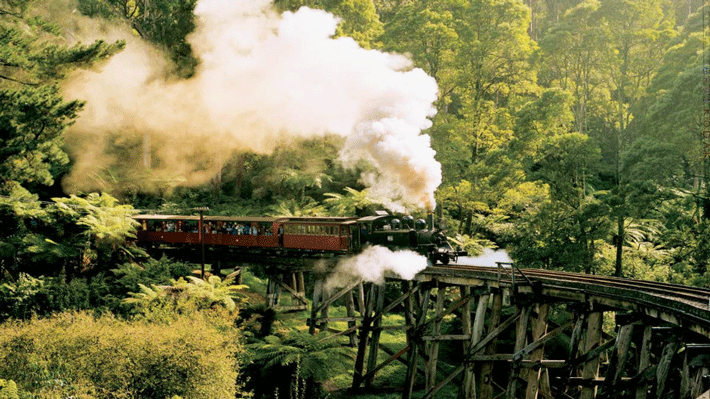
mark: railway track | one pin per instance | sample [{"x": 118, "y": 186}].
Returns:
[
  {"x": 672, "y": 302},
  {"x": 692, "y": 295}
]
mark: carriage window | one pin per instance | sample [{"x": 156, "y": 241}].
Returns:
[{"x": 190, "y": 226}]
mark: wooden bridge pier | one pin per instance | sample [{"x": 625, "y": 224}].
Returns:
[
  {"x": 292, "y": 282},
  {"x": 498, "y": 341}
]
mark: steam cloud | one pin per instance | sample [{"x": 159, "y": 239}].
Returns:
[
  {"x": 489, "y": 257},
  {"x": 263, "y": 78},
  {"x": 372, "y": 265}
]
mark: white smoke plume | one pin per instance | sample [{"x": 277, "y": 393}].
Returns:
[
  {"x": 489, "y": 257},
  {"x": 263, "y": 78},
  {"x": 373, "y": 264}
]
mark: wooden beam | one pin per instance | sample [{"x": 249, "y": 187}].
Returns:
[
  {"x": 376, "y": 333},
  {"x": 324, "y": 304},
  {"x": 301, "y": 297},
  {"x": 527, "y": 363},
  {"x": 396, "y": 302},
  {"x": 575, "y": 338},
  {"x": 447, "y": 337},
  {"x": 469, "y": 381},
  {"x": 699, "y": 385},
  {"x": 465, "y": 292},
  {"x": 590, "y": 369},
  {"x": 664, "y": 366},
  {"x": 430, "y": 394},
  {"x": 317, "y": 295},
  {"x": 644, "y": 361},
  {"x": 543, "y": 340},
  {"x": 434, "y": 345},
  {"x": 619, "y": 356},
  {"x": 486, "y": 374},
  {"x": 412, "y": 341},
  {"x": 495, "y": 333},
  {"x": 400, "y": 359},
  {"x": 371, "y": 374},
  {"x": 536, "y": 349},
  {"x": 520, "y": 340},
  {"x": 685, "y": 378},
  {"x": 363, "y": 339},
  {"x": 459, "y": 303}
]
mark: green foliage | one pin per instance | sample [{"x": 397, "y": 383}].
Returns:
[
  {"x": 18, "y": 299},
  {"x": 296, "y": 364},
  {"x": 350, "y": 203},
  {"x": 161, "y": 303},
  {"x": 32, "y": 120},
  {"x": 28, "y": 296},
  {"x": 72, "y": 235},
  {"x": 8, "y": 389},
  {"x": 33, "y": 114},
  {"x": 556, "y": 120},
  {"x": 149, "y": 272},
  {"x": 359, "y": 18},
  {"x": 558, "y": 236},
  {"x": 76, "y": 354},
  {"x": 165, "y": 23}
]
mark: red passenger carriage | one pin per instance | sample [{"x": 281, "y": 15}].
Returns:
[{"x": 300, "y": 234}]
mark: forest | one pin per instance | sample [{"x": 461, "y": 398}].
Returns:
[{"x": 570, "y": 133}]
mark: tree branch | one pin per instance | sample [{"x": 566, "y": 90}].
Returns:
[{"x": 18, "y": 81}]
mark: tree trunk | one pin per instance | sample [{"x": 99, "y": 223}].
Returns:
[{"x": 619, "y": 245}]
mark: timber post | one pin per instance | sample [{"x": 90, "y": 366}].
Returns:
[
  {"x": 291, "y": 282},
  {"x": 539, "y": 328},
  {"x": 430, "y": 368},
  {"x": 379, "y": 297},
  {"x": 590, "y": 369}
]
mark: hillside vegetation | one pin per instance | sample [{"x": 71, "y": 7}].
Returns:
[{"x": 570, "y": 133}]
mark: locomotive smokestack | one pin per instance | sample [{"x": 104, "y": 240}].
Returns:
[{"x": 430, "y": 220}]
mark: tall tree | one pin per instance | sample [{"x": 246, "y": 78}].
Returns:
[
  {"x": 165, "y": 23},
  {"x": 479, "y": 52},
  {"x": 639, "y": 33},
  {"x": 33, "y": 115},
  {"x": 669, "y": 149},
  {"x": 359, "y": 18}
]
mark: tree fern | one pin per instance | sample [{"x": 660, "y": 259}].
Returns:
[{"x": 317, "y": 360}]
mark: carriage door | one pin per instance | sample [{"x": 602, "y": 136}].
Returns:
[{"x": 354, "y": 239}]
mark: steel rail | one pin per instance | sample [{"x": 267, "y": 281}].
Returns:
[{"x": 671, "y": 302}]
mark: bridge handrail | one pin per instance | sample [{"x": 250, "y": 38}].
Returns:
[{"x": 513, "y": 268}]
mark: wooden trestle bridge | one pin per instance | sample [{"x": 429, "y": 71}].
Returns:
[{"x": 509, "y": 333}]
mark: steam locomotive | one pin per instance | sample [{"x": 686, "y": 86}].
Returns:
[{"x": 297, "y": 236}]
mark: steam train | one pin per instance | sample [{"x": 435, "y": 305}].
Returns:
[{"x": 297, "y": 236}]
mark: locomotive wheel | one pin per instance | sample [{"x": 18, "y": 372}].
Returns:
[{"x": 444, "y": 260}]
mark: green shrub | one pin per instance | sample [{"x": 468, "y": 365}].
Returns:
[
  {"x": 75, "y": 354},
  {"x": 8, "y": 390}
]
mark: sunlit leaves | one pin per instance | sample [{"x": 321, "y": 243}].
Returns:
[{"x": 161, "y": 303}]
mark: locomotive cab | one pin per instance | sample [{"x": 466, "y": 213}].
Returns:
[{"x": 385, "y": 230}]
